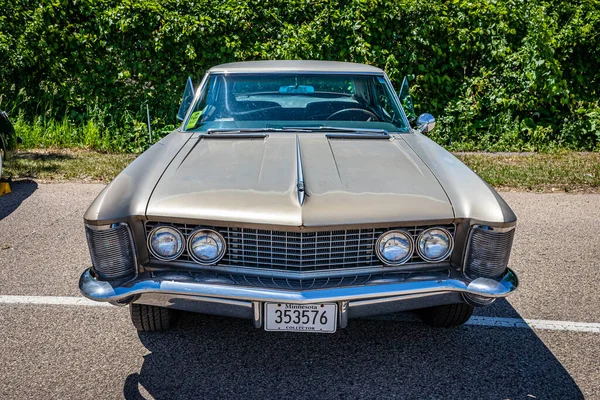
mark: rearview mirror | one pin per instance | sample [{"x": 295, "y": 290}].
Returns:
[
  {"x": 186, "y": 100},
  {"x": 300, "y": 89},
  {"x": 425, "y": 123}
]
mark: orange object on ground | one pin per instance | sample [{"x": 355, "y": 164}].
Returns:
[{"x": 4, "y": 188}]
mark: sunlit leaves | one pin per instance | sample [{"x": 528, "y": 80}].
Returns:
[{"x": 481, "y": 66}]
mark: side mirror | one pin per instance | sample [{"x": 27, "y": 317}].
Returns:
[
  {"x": 186, "y": 100},
  {"x": 425, "y": 123}
]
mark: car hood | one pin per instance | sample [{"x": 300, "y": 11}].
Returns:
[{"x": 254, "y": 180}]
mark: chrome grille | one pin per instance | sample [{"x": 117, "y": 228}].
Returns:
[
  {"x": 298, "y": 251},
  {"x": 297, "y": 283},
  {"x": 488, "y": 252},
  {"x": 300, "y": 284},
  {"x": 111, "y": 250}
]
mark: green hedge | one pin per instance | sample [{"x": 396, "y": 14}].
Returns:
[{"x": 498, "y": 74}]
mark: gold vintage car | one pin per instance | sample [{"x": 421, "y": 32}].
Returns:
[{"x": 297, "y": 195}]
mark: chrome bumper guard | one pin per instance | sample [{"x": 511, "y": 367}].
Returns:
[{"x": 213, "y": 294}]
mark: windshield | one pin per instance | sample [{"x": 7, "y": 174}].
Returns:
[{"x": 255, "y": 101}]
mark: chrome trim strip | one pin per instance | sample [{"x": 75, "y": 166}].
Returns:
[
  {"x": 157, "y": 219},
  {"x": 106, "y": 227},
  {"x": 292, "y": 72},
  {"x": 257, "y": 320},
  {"x": 278, "y": 273},
  {"x": 343, "y": 314},
  {"x": 182, "y": 284},
  {"x": 495, "y": 228},
  {"x": 300, "y": 174}
]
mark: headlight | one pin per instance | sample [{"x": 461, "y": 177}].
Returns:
[
  {"x": 206, "y": 246},
  {"x": 394, "y": 247},
  {"x": 165, "y": 243},
  {"x": 434, "y": 244}
]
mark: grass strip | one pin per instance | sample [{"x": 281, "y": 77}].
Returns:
[
  {"x": 560, "y": 172},
  {"x": 65, "y": 165}
]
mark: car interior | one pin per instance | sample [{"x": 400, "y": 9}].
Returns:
[{"x": 224, "y": 103}]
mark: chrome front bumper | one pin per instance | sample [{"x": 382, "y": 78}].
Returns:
[{"x": 213, "y": 294}]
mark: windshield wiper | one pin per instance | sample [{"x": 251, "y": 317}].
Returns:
[
  {"x": 332, "y": 131},
  {"x": 322, "y": 128},
  {"x": 242, "y": 130}
]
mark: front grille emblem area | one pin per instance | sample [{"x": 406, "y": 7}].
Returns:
[{"x": 300, "y": 175}]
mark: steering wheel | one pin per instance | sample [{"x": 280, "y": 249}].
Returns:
[{"x": 371, "y": 115}]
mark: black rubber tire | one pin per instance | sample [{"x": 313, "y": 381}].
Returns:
[
  {"x": 150, "y": 318},
  {"x": 446, "y": 316}
]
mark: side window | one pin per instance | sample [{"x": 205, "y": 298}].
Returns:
[
  {"x": 201, "y": 108},
  {"x": 383, "y": 98}
]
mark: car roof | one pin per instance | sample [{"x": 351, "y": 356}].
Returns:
[{"x": 295, "y": 66}]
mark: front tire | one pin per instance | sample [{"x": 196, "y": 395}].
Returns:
[
  {"x": 446, "y": 316},
  {"x": 151, "y": 318}
]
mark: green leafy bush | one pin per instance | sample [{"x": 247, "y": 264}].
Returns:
[{"x": 499, "y": 75}]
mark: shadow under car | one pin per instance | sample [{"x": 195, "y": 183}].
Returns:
[{"x": 217, "y": 357}]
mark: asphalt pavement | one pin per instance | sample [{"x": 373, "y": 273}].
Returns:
[{"x": 70, "y": 350}]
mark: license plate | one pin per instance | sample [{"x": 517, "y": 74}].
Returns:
[{"x": 321, "y": 318}]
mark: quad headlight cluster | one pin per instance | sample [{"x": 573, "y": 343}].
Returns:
[
  {"x": 205, "y": 246},
  {"x": 397, "y": 246}
]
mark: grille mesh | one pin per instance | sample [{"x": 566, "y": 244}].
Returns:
[
  {"x": 111, "y": 251},
  {"x": 488, "y": 253},
  {"x": 300, "y": 284},
  {"x": 298, "y": 251}
]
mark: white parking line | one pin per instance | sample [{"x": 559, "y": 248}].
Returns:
[
  {"x": 497, "y": 322},
  {"x": 501, "y": 322},
  {"x": 51, "y": 300},
  {"x": 590, "y": 327}
]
